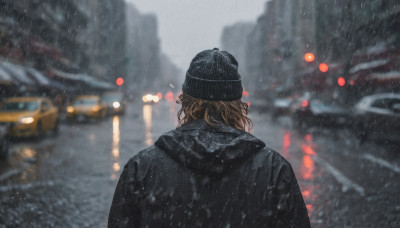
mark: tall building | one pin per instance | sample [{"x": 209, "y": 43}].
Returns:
[
  {"x": 105, "y": 38},
  {"x": 42, "y": 33}
]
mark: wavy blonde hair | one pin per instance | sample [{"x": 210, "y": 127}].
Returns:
[{"x": 232, "y": 113}]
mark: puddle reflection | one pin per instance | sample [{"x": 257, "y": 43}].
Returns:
[
  {"x": 147, "y": 117},
  {"x": 115, "y": 148},
  {"x": 286, "y": 145},
  {"x": 307, "y": 172},
  {"x": 25, "y": 160},
  {"x": 28, "y": 153},
  {"x": 307, "y": 168}
]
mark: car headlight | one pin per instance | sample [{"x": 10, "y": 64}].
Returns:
[
  {"x": 116, "y": 104},
  {"x": 156, "y": 99},
  {"x": 27, "y": 120},
  {"x": 70, "y": 109}
]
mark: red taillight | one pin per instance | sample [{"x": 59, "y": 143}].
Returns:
[{"x": 304, "y": 103}]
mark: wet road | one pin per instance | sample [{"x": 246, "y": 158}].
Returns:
[{"x": 68, "y": 180}]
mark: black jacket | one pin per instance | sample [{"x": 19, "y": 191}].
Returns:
[{"x": 200, "y": 176}]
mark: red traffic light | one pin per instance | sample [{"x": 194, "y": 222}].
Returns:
[
  {"x": 119, "y": 81},
  {"x": 341, "y": 81},
  {"x": 323, "y": 67},
  {"x": 309, "y": 57}
]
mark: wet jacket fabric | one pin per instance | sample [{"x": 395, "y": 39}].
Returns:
[{"x": 203, "y": 176}]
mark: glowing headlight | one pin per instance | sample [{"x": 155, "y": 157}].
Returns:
[
  {"x": 70, "y": 109},
  {"x": 156, "y": 99},
  {"x": 116, "y": 104},
  {"x": 26, "y": 120}
]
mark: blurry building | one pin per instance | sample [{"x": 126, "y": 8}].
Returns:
[
  {"x": 85, "y": 36},
  {"x": 42, "y": 33},
  {"x": 234, "y": 40},
  {"x": 358, "y": 40},
  {"x": 105, "y": 38},
  {"x": 149, "y": 70}
]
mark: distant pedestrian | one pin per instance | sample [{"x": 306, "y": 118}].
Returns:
[{"x": 209, "y": 172}]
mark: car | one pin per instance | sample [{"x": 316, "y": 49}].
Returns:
[
  {"x": 151, "y": 98},
  {"x": 309, "y": 113},
  {"x": 29, "y": 116},
  {"x": 115, "y": 101},
  {"x": 86, "y": 107},
  {"x": 4, "y": 141},
  {"x": 281, "y": 107},
  {"x": 377, "y": 117}
]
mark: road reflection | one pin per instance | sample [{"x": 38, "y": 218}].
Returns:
[
  {"x": 115, "y": 148},
  {"x": 22, "y": 165},
  {"x": 30, "y": 173},
  {"x": 307, "y": 172},
  {"x": 147, "y": 117},
  {"x": 286, "y": 144}
]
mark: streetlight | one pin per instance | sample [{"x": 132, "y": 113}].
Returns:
[
  {"x": 119, "y": 81},
  {"x": 309, "y": 57},
  {"x": 323, "y": 67},
  {"x": 341, "y": 81}
]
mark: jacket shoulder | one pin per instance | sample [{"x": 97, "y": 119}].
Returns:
[
  {"x": 143, "y": 161},
  {"x": 273, "y": 166},
  {"x": 271, "y": 156}
]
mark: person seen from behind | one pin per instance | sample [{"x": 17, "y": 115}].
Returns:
[{"x": 209, "y": 172}]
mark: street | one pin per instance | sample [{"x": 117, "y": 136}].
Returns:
[{"x": 68, "y": 180}]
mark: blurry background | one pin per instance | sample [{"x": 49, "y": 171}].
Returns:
[{"x": 86, "y": 84}]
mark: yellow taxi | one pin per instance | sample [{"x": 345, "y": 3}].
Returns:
[
  {"x": 29, "y": 116},
  {"x": 86, "y": 107},
  {"x": 115, "y": 101}
]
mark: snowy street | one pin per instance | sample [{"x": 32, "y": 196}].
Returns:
[{"x": 69, "y": 180}]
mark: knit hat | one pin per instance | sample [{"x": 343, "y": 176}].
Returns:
[{"x": 213, "y": 75}]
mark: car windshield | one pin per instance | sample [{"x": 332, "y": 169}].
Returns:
[
  {"x": 282, "y": 102},
  {"x": 85, "y": 102},
  {"x": 324, "y": 106},
  {"x": 111, "y": 98},
  {"x": 19, "y": 106}
]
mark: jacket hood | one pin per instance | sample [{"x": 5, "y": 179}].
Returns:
[{"x": 209, "y": 150}]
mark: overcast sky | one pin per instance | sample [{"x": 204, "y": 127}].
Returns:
[{"x": 187, "y": 27}]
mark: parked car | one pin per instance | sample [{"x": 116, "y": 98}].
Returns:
[
  {"x": 87, "y": 107},
  {"x": 378, "y": 117},
  {"x": 317, "y": 113},
  {"x": 151, "y": 98},
  {"x": 115, "y": 101},
  {"x": 4, "y": 141},
  {"x": 281, "y": 106},
  {"x": 29, "y": 116}
]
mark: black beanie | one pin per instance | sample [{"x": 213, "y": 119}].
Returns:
[{"x": 213, "y": 75}]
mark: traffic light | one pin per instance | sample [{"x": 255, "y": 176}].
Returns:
[
  {"x": 119, "y": 81},
  {"x": 309, "y": 57},
  {"x": 323, "y": 67},
  {"x": 341, "y": 81}
]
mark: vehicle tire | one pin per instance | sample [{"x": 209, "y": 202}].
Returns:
[{"x": 4, "y": 147}]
